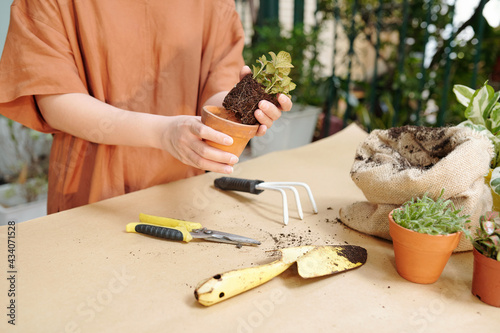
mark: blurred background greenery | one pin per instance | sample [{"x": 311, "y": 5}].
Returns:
[{"x": 379, "y": 63}]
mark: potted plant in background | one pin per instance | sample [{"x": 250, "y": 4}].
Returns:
[
  {"x": 483, "y": 114},
  {"x": 236, "y": 117},
  {"x": 296, "y": 127},
  {"x": 486, "y": 273},
  {"x": 424, "y": 233},
  {"x": 23, "y": 172}
]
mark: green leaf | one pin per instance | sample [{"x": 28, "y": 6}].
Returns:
[
  {"x": 284, "y": 60},
  {"x": 286, "y": 81},
  {"x": 463, "y": 94},
  {"x": 262, "y": 60},
  {"x": 487, "y": 236},
  {"x": 495, "y": 180},
  {"x": 284, "y": 71},
  {"x": 477, "y": 106},
  {"x": 494, "y": 140},
  {"x": 255, "y": 70},
  {"x": 270, "y": 69},
  {"x": 273, "y": 56},
  {"x": 273, "y": 75},
  {"x": 495, "y": 119},
  {"x": 492, "y": 103}
]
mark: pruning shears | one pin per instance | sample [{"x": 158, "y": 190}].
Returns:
[{"x": 179, "y": 230}]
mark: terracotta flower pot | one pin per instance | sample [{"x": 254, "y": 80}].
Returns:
[
  {"x": 224, "y": 121},
  {"x": 421, "y": 258},
  {"x": 486, "y": 279}
]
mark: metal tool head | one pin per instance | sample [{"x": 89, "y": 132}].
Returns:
[
  {"x": 223, "y": 237},
  {"x": 331, "y": 259},
  {"x": 291, "y": 254},
  {"x": 256, "y": 186},
  {"x": 281, "y": 187},
  {"x": 319, "y": 260}
]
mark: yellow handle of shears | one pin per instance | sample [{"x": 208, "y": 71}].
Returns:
[
  {"x": 168, "y": 222},
  {"x": 172, "y": 233}
]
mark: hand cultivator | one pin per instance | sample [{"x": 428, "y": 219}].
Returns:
[{"x": 258, "y": 186}]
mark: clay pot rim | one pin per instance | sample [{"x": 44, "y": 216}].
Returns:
[
  {"x": 205, "y": 109},
  {"x": 487, "y": 260}
]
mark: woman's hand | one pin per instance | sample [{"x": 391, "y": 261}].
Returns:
[
  {"x": 183, "y": 138},
  {"x": 267, "y": 112}
]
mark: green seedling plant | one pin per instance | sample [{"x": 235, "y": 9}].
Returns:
[
  {"x": 483, "y": 114},
  {"x": 486, "y": 240},
  {"x": 424, "y": 215},
  {"x": 273, "y": 74}
]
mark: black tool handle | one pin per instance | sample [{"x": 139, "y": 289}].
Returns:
[
  {"x": 161, "y": 232},
  {"x": 238, "y": 184}
]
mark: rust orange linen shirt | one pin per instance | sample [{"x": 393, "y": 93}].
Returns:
[{"x": 156, "y": 56}]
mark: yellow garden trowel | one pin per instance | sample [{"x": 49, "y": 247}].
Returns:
[{"x": 312, "y": 261}]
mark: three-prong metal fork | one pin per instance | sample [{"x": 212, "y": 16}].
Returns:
[{"x": 256, "y": 186}]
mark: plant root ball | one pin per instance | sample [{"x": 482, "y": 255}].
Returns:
[{"x": 244, "y": 99}]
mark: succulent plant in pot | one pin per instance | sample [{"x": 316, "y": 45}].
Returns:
[
  {"x": 425, "y": 232},
  {"x": 483, "y": 115},
  {"x": 486, "y": 274},
  {"x": 267, "y": 80}
]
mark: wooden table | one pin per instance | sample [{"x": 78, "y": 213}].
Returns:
[{"x": 79, "y": 271}]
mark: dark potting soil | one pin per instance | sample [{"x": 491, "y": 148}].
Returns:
[
  {"x": 353, "y": 254},
  {"x": 244, "y": 99},
  {"x": 433, "y": 142}
]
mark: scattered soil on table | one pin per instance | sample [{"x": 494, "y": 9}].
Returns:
[
  {"x": 291, "y": 239},
  {"x": 288, "y": 240},
  {"x": 244, "y": 99},
  {"x": 334, "y": 221}
]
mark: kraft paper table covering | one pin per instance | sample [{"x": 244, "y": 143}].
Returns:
[{"x": 79, "y": 271}]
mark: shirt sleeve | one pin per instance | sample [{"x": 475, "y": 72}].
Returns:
[
  {"x": 37, "y": 60},
  {"x": 222, "y": 52}
]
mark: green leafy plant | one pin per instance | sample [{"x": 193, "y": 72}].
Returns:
[
  {"x": 483, "y": 114},
  {"x": 303, "y": 45},
  {"x": 486, "y": 240},
  {"x": 273, "y": 74},
  {"x": 424, "y": 215},
  {"x": 266, "y": 81}
]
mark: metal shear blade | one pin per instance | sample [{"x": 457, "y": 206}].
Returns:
[{"x": 222, "y": 237}]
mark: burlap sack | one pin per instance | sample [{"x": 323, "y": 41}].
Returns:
[{"x": 392, "y": 166}]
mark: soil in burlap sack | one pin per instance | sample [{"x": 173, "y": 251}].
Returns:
[{"x": 395, "y": 165}]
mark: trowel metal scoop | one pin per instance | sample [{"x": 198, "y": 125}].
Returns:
[{"x": 312, "y": 261}]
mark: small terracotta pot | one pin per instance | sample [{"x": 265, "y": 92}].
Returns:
[
  {"x": 224, "y": 121},
  {"x": 486, "y": 279},
  {"x": 421, "y": 258}
]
